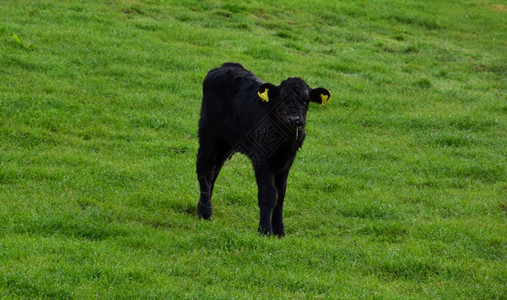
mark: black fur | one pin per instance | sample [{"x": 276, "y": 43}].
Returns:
[{"x": 235, "y": 119}]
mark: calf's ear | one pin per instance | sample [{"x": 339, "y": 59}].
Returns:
[
  {"x": 320, "y": 95},
  {"x": 267, "y": 91}
]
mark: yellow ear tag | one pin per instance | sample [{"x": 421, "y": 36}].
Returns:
[
  {"x": 264, "y": 95},
  {"x": 325, "y": 99}
]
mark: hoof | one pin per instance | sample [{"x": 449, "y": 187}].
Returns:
[
  {"x": 265, "y": 232},
  {"x": 204, "y": 212},
  {"x": 279, "y": 234},
  {"x": 204, "y": 217}
]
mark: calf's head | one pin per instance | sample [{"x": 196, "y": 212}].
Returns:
[{"x": 291, "y": 99}]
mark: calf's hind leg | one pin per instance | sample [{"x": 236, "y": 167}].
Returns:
[{"x": 209, "y": 163}]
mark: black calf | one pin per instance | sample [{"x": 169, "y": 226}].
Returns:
[{"x": 241, "y": 113}]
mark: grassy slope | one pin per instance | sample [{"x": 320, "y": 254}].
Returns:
[{"x": 399, "y": 191}]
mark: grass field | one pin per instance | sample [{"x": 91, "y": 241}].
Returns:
[{"x": 399, "y": 191}]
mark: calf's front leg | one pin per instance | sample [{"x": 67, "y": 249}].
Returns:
[
  {"x": 268, "y": 196},
  {"x": 277, "y": 220}
]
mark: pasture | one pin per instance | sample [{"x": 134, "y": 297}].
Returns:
[{"x": 398, "y": 192}]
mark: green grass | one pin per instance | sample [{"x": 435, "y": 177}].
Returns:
[{"x": 399, "y": 191}]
